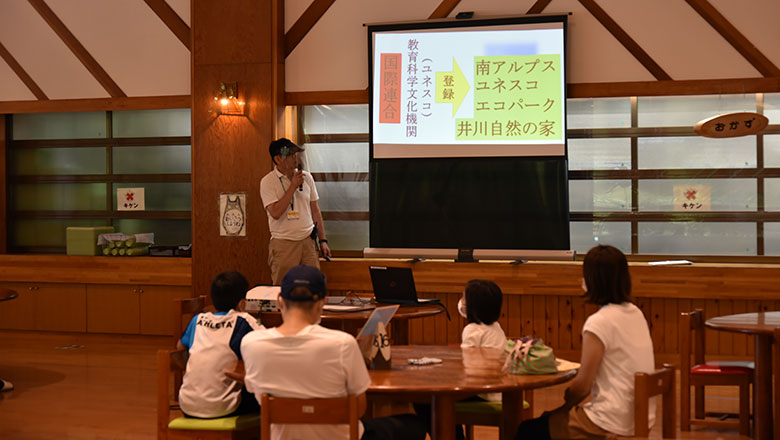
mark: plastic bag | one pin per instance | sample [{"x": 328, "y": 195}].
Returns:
[{"x": 529, "y": 356}]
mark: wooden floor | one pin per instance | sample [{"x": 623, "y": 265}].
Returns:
[{"x": 78, "y": 386}]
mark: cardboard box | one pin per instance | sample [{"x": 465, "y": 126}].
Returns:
[{"x": 82, "y": 240}]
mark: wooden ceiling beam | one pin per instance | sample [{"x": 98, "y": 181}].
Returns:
[
  {"x": 21, "y": 73},
  {"x": 304, "y": 24},
  {"x": 96, "y": 104},
  {"x": 735, "y": 38},
  {"x": 444, "y": 9},
  {"x": 624, "y": 39},
  {"x": 77, "y": 48},
  {"x": 171, "y": 19},
  {"x": 538, "y": 7}
]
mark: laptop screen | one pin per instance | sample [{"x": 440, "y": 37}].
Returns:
[{"x": 393, "y": 284}]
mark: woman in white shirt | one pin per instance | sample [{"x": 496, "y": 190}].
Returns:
[{"x": 616, "y": 345}]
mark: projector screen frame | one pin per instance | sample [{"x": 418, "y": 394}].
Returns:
[{"x": 423, "y": 25}]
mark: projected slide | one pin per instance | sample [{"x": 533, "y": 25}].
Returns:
[{"x": 482, "y": 91}]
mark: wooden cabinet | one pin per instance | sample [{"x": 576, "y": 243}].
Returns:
[
  {"x": 45, "y": 306},
  {"x": 132, "y": 309}
]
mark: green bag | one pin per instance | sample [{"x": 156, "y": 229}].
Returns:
[{"x": 529, "y": 356}]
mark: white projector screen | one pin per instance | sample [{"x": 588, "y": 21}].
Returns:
[{"x": 481, "y": 88}]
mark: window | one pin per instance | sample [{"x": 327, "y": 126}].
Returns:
[
  {"x": 628, "y": 158},
  {"x": 64, "y": 169}
]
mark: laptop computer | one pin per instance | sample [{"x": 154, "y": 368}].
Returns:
[{"x": 395, "y": 285}]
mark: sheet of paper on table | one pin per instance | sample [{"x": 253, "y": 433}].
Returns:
[{"x": 564, "y": 365}]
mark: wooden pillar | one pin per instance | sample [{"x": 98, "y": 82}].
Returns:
[{"x": 233, "y": 41}]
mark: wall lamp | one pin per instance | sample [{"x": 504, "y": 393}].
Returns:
[{"x": 226, "y": 101}]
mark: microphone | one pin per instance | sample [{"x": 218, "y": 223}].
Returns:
[{"x": 300, "y": 168}]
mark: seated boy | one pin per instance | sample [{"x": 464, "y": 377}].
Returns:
[
  {"x": 300, "y": 359},
  {"x": 214, "y": 341}
]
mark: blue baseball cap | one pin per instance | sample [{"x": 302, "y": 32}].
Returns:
[{"x": 304, "y": 276}]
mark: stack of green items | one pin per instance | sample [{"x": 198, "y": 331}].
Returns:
[{"x": 126, "y": 248}]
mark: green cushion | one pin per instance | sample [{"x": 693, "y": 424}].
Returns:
[
  {"x": 234, "y": 423},
  {"x": 483, "y": 407}
]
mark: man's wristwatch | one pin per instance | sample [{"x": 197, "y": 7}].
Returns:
[{"x": 323, "y": 240}]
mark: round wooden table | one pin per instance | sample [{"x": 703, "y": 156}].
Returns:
[
  {"x": 462, "y": 373},
  {"x": 351, "y": 322},
  {"x": 762, "y": 326}
]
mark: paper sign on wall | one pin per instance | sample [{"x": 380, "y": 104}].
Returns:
[
  {"x": 692, "y": 197},
  {"x": 130, "y": 199},
  {"x": 232, "y": 214}
]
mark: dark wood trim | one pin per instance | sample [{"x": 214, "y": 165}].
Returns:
[
  {"x": 670, "y": 88},
  {"x": 444, "y": 9},
  {"x": 102, "y": 142},
  {"x": 304, "y": 24},
  {"x": 100, "y": 178},
  {"x": 97, "y": 104},
  {"x": 340, "y": 177},
  {"x": 345, "y": 215},
  {"x": 4, "y": 189},
  {"x": 39, "y": 249},
  {"x": 538, "y": 7},
  {"x": 735, "y": 38},
  {"x": 589, "y": 133},
  {"x": 146, "y": 215},
  {"x": 21, "y": 73},
  {"x": 77, "y": 48},
  {"x": 172, "y": 20},
  {"x": 347, "y": 138},
  {"x": 689, "y": 173},
  {"x": 633, "y": 47},
  {"x": 675, "y": 216},
  {"x": 327, "y": 97}
]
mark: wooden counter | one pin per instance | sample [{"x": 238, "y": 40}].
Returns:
[{"x": 132, "y": 295}]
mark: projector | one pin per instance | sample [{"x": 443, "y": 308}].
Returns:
[{"x": 263, "y": 299}]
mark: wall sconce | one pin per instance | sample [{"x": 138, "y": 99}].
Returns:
[{"x": 226, "y": 100}]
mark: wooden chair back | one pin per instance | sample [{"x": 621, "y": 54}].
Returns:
[
  {"x": 647, "y": 385},
  {"x": 185, "y": 308},
  {"x": 168, "y": 361},
  {"x": 692, "y": 339},
  {"x": 342, "y": 410}
]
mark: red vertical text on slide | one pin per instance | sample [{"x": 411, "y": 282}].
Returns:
[{"x": 390, "y": 89}]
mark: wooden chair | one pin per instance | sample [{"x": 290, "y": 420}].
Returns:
[
  {"x": 341, "y": 410},
  {"x": 242, "y": 427},
  {"x": 473, "y": 414},
  {"x": 647, "y": 385},
  {"x": 703, "y": 373},
  {"x": 185, "y": 308}
]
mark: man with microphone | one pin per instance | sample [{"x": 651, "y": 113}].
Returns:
[{"x": 294, "y": 217}]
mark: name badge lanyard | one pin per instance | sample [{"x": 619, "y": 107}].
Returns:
[{"x": 292, "y": 200}]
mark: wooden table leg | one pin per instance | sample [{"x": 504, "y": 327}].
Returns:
[
  {"x": 443, "y": 411},
  {"x": 776, "y": 373},
  {"x": 762, "y": 388},
  {"x": 512, "y": 409},
  {"x": 399, "y": 331}
]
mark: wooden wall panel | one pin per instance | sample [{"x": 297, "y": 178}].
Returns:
[
  {"x": 545, "y": 300},
  {"x": 233, "y": 41}
]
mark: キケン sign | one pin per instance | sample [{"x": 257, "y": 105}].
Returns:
[{"x": 731, "y": 125}]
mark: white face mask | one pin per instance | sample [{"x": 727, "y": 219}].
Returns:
[{"x": 462, "y": 307}]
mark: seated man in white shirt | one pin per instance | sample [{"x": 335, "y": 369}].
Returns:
[{"x": 301, "y": 359}]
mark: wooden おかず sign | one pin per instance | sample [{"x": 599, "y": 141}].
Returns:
[{"x": 732, "y": 125}]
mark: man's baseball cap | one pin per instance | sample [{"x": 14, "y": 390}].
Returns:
[
  {"x": 304, "y": 276},
  {"x": 283, "y": 147}
]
